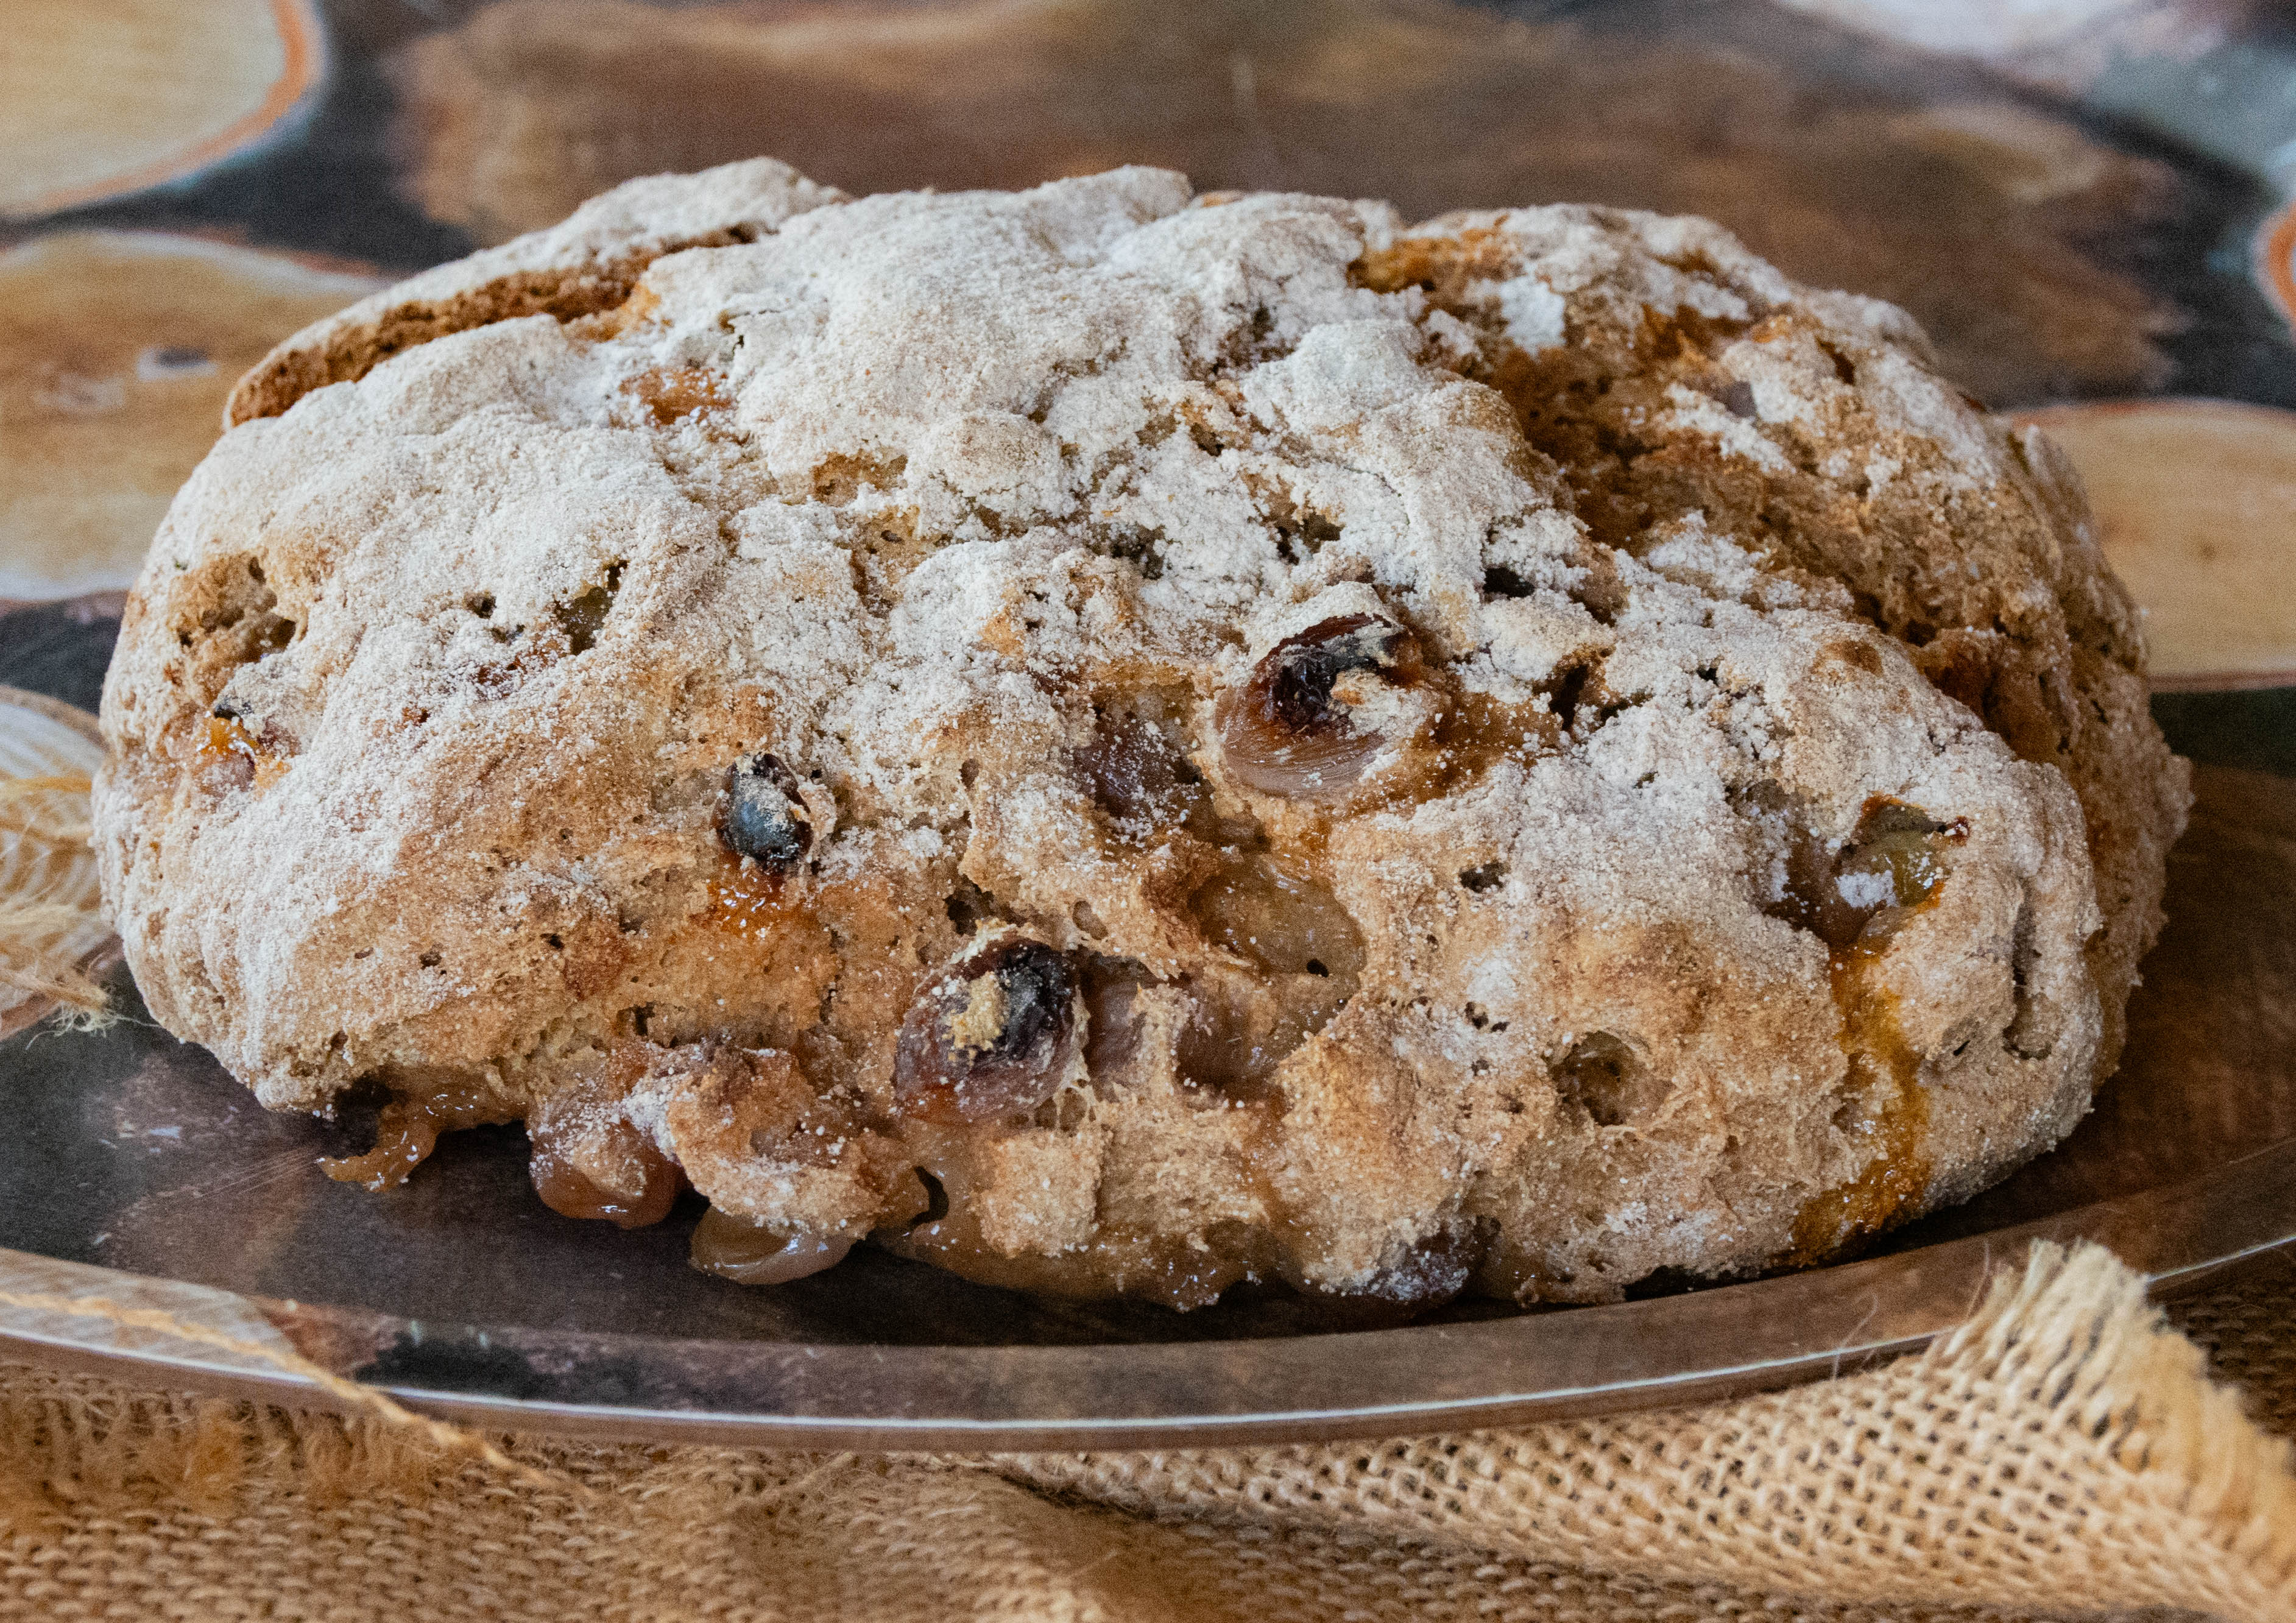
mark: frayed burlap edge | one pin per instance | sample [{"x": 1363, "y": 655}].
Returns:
[
  {"x": 2065, "y": 1453},
  {"x": 156, "y": 1438},
  {"x": 48, "y": 813},
  {"x": 2065, "y": 1450}
]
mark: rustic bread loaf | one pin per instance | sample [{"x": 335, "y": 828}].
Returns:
[{"x": 1119, "y": 741}]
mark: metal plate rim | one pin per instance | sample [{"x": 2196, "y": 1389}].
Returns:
[{"x": 1788, "y": 1329}]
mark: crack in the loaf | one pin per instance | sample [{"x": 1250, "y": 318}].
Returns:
[
  {"x": 936, "y": 1201},
  {"x": 597, "y": 291},
  {"x": 1060, "y": 373},
  {"x": 887, "y": 550},
  {"x": 243, "y": 604},
  {"x": 1247, "y": 344},
  {"x": 1300, "y": 529},
  {"x": 1581, "y": 701},
  {"x": 969, "y": 907},
  {"x": 1562, "y": 396},
  {"x": 1485, "y": 876},
  {"x": 2023, "y": 1036}
]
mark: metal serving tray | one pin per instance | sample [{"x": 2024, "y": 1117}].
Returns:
[{"x": 2071, "y": 216}]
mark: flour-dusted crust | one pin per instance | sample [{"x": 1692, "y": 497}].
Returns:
[
  {"x": 1515, "y": 753},
  {"x": 587, "y": 263}
]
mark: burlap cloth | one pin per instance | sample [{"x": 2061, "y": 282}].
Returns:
[{"x": 2068, "y": 1452}]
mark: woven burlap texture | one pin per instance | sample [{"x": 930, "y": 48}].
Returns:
[{"x": 2067, "y": 1452}]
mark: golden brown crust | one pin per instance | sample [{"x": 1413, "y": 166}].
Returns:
[
  {"x": 2020, "y": 618},
  {"x": 1118, "y": 743}
]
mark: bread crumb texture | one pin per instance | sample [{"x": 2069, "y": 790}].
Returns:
[{"x": 1123, "y": 742}]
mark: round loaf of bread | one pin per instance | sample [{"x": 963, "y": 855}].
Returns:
[{"x": 1119, "y": 741}]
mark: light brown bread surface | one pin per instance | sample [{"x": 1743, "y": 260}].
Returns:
[{"x": 1510, "y": 754}]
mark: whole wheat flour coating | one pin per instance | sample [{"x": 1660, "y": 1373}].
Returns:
[{"x": 1122, "y": 741}]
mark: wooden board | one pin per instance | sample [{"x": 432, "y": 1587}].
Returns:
[
  {"x": 2196, "y": 505},
  {"x": 99, "y": 97},
  {"x": 117, "y": 348}
]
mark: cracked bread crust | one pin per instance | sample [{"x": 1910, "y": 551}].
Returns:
[
  {"x": 1119, "y": 742},
  {"x": 588, "y": 263}
]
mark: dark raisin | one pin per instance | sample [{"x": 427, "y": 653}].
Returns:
[
  {"x": 1288, "y": 731},
  {"x": 990, "y": 1038},
  {"x": 766, "y": 817}
]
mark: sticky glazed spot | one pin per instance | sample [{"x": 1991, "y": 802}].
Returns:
[
  {"x": 671, "y": 393},
  {"x": 1892, "y": 864},
  {"x": 765, "y": 819},
  {"x": 1291, "y": 729},
  {"x": 617, "y": 1176},
  {"x": 421, "y": 1108},
  {"x": 989, "y": 1039},
  {"x": 750, "y": 1253},
  {"x": 1897, "y": 856},
  {"x": 244, "y": 752}
]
